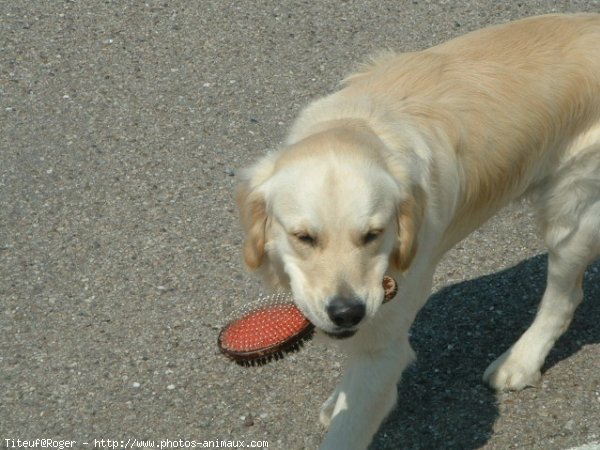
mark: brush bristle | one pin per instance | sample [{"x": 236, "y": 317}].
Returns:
[
  {"x": 292, "y": 348},
  {"x": 269, "y": 328}
]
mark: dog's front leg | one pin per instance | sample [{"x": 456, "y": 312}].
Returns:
[{"x": 365, "y": 396}]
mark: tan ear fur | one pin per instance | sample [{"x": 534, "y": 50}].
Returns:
[
  {"x": 253, "y": 210},
  {"x": 254, "y": 218},
  {"x": 410, "y": 218}
]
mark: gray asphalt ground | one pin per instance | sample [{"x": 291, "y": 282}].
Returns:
[{"x": 122, "y": 128}]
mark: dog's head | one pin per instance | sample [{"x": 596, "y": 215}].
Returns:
[{"x": 327, "y": 219}]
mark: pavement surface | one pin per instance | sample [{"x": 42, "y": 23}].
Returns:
[{"x": 122, "y": 128}]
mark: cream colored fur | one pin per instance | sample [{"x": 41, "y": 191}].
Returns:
[{"x": 412, "y": 154}]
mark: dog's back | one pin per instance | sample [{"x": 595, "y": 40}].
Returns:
[{"x": 509, "y": 98}]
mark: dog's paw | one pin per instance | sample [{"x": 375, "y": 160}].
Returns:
[
  {"x": 326, "y": 413},
  {"x": 511, "y": 374}
]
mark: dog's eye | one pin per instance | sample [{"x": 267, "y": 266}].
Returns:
[
  {"x": 370, "y": 236},
  {"x": 306, "y": 238}
]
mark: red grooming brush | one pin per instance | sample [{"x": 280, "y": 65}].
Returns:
[{"x": 272, "y": 327}]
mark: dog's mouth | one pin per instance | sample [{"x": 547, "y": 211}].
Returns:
[{"x": 340, "y": 334}]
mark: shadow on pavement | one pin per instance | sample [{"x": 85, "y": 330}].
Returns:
[{"x": 442, "y": 400}]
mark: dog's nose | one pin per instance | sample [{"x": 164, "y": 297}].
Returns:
[{"x": 346, "y": 312}]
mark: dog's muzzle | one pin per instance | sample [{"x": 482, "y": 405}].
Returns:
[{"x": 345, "y": 313}]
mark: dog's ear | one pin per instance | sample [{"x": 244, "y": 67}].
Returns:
[
  {"x": 253, "y": 211},
  {"x": 410, "y": 218},
  {"x": 254, "y": 218}
]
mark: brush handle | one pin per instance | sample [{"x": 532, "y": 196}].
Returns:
[{"x": 390, "y": 288}]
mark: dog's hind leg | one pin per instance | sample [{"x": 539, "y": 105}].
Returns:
[{"x": 569, "y": 208}]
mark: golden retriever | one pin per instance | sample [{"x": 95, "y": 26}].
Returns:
[{"x": 412, "y": 154}]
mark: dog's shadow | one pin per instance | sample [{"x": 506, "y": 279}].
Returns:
[{"x": 442, "y": 402}]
